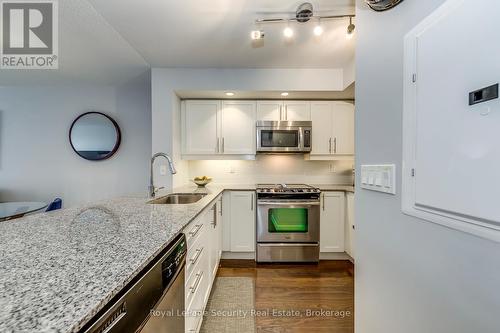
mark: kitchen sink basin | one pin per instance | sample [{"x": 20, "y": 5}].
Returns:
[{"x": 178, "y": 199}]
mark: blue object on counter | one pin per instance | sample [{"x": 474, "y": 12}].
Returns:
[{"x": 55, "y": 205}]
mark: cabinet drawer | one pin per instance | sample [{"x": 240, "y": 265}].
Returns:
[{"x": 196, "y": 284}]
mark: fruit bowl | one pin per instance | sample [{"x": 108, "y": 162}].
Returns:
[{"x": 202, "y": 181}]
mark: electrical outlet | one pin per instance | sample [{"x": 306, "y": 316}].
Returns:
[{"x": 163, "y": 170}]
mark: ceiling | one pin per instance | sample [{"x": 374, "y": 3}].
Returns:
[
  {"x": 90, "y": 51},
  {"x": 112, "y": 41},
  {"x": 216, "y": 33},
  {"x": 347, "y": 94}
]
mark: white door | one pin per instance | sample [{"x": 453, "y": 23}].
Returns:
[
  {"x": 269, "y": 110},
  {"x": 343, "y": 128},
  {"x": 242, "y": 221},
  {"x": 297, "y": 111},
  {"x": 200, "y": 127},
  {"x": 238, "y": 127},
  {"x": 321, "y": 116},
  {"x": 332, "y": 222}
]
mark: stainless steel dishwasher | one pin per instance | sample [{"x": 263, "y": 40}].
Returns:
[{"x": 153, "y": 302}]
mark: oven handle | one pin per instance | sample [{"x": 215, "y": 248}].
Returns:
[
  {"x": 287, "y": 203},
  {"x": 287, "y": 244}
]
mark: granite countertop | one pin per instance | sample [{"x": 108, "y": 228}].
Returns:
[{"x": 58, "y": 269}]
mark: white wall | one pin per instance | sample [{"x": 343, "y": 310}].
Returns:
[
  {"x": 274, "y": 169},
  {"x": 36, "y": 159},
  {"x": 412, "y": 276},
  {"x": 166, "y": 106}
]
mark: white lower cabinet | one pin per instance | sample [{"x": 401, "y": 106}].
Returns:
[
  {"x": 349, "y": 225},
  {"x": 332, "y": 222},
  {"x": 204, "y": 239},
  {"x": 242, "y": 221}
]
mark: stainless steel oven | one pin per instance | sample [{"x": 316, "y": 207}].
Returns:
[
  {"x": 288, "y": 223},
  {"x": 284, "y": 136}
]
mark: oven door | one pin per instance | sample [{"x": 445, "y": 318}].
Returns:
[
  {"x": 288, "y": 221},
  {"x": 286, "y": 139}
]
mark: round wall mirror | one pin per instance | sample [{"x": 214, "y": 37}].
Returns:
[{"x": 94, "y": 136}]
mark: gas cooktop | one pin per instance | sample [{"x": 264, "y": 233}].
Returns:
[{"x": 286, "y": 188}]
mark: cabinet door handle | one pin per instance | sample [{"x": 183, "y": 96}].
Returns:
[
  {"x": 214, "y": 223},
  {"x": 323, "y": 197},
  {"x": 196, "y": 256},
  {"x": 251, "y": 203},
  {"x": 281, "y": 112},
  {"x": 196, "y": 283},
  {"x": 286, "y": 112},
  {"x": 217, "y": 144},
  {"x": 223, "y": 145},
  {"x": 195, "y": 230},
  {"x": 330, "y": 145},
  {"x": 335, "y": 145}
]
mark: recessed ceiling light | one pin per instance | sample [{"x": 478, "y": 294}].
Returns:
[
  {"x": 230, "y": 94},
  {"x": 284, "y": 94}
]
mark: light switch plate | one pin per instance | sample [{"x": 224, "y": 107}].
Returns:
[{"x": 381, "y": 178}]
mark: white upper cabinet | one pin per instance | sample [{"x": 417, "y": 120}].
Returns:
[
  {"x": 322, "y": 119},
  {"x": 238, "y": 127},
  {"x": 297, "y": 111},
  {"x": 200, "y": 126},
  {"x": 284, "y": 110},
  {"x": 333, "y": 129},
  {"x": 211, "y": 128},
  {"x": 269, "y": 110},
  {"x": 343, "y": 128}
]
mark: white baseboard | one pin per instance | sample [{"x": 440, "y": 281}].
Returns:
[
  {"x": 322, "y": 256},
  {"x": 334, "y": 256},
  {"x": 238, "y": 255}
]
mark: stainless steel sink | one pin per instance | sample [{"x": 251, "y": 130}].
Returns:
[{"x": 178, "y": 199}]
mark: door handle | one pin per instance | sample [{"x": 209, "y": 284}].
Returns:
[
  {"x": 251, "y": 203},
  {"x": 217, "y": 144},
  {"x": 330, "y": 145},
  {"x": 223, "y": 145},
  {"x": 335, "y": 145}
]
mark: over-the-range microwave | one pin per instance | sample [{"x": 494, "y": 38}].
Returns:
[{"x": 284, "y": 136}]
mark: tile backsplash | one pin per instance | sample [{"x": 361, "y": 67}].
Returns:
[{"x": 274, "y": 169}]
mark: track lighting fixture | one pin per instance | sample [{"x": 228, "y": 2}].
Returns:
[
  {"x": 350, "y": 29},
  {"x": 303, "y": 14}
]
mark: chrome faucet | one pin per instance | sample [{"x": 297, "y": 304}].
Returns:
[{"x": 152, "y": 188}]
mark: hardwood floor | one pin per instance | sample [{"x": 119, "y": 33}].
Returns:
[{"x": 297, "y": 290}]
